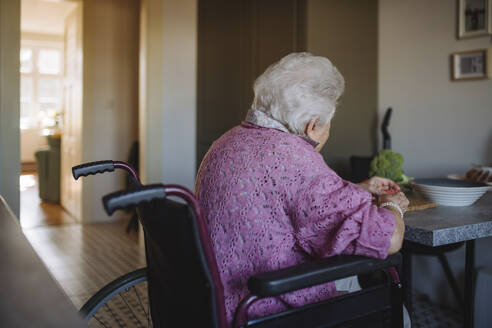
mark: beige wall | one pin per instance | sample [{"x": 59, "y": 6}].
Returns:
[
  {"x": 168, "y": 52},
  {"x": 346, "y": 33},
  {"x": 110, "y": 97},
  {"x": 9, "y": 102},
  {"x": 439, "y": 126}
]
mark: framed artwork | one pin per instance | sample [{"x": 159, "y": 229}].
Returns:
[
  {"x": 474, "y": 18},
  {"x": 470, "y": 65},
  {"x": 490, "y": 16}
]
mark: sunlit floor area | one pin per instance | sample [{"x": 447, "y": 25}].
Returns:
[
  {"x": 81, "y": 257},
  {"x": 35, "y": 213}
]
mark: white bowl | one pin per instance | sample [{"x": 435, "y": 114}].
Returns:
[{"x": 450, "y": 192}]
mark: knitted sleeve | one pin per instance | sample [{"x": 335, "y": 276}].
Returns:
[{"x": 332, "y": 216}]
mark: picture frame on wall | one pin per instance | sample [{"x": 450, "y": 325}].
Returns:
[
  {"x": 490, "y": 16},
  {"x": 474, "y": 18},
  {"x": 470, "y": 65}
]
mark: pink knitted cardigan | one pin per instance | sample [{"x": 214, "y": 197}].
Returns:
[{"x": 270, "y": 202}]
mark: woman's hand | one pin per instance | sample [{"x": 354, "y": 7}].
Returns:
[
  {"x": 400, "y": 199},
  {"x": 380, "y": 186},
  {"x": 480, "y": 174}
]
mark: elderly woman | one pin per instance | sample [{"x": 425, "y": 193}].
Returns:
[{"x": 271, "y": 201}]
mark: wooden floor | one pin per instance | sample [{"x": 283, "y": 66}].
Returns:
[
  {"x": 35, "y": 213},
  {"x": 81, "y": 257}
]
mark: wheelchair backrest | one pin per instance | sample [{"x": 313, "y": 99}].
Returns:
[{"x": 184, "y": 283}]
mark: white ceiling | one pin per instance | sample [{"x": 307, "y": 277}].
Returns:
[{"x": 45, "y": 16}]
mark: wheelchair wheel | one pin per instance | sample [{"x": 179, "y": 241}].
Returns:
[{"x": 121, "y": 303}]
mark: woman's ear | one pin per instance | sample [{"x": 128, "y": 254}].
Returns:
[
  {"x": 310, "y": 128},
  {"x": 317, "y": 132}
]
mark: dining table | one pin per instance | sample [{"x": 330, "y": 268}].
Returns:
[{"x": 450, "y": 225}]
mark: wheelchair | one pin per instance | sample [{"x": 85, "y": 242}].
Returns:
[{"x": 181, "y": 285}]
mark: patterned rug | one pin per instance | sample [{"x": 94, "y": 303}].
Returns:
[{"x": 129, "y": 308}]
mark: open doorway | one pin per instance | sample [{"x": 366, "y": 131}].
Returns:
[
  {"x": 43, "y": 70},
  {"x": 79, "y": 101}
]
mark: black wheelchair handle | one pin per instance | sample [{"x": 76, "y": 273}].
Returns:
[
  {"x": 92, "y": 168},
  {"x": 130, "y": 198}
]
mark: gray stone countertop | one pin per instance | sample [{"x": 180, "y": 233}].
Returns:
[{"x": 448, "y": 224}]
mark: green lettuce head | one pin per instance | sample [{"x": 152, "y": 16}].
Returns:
[{"x": 388, "y": 164}]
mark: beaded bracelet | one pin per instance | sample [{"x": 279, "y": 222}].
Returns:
[{"x": 394, "y": 205}]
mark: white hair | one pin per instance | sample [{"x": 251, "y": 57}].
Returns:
[{"x": 298, "y": 88}]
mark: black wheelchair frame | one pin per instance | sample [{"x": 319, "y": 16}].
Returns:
[{"x": 381, "y": 303}]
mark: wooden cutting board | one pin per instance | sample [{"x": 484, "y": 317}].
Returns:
[{"x": 417, "y": 204}]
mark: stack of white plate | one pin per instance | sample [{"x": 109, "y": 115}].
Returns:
[{"x": 450, "y": 192}]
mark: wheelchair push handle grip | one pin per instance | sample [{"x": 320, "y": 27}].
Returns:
[
  {"x": 130, "y": 198},
  {"x": 92, "y": 168}
]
